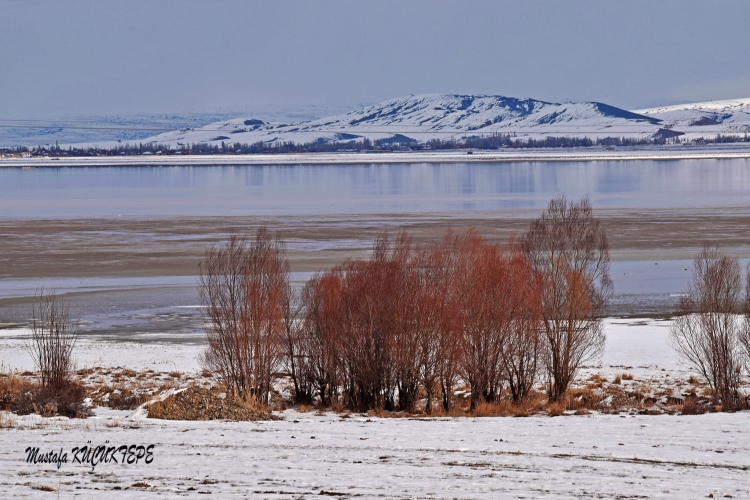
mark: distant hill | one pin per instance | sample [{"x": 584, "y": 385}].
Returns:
[
  {"x": 430, "y": 116},
  {"x": 446, "y": 116},
  {"x": 705, "y": 118}
]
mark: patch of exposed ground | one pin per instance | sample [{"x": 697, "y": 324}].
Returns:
[{"x": 196, "y": 403}]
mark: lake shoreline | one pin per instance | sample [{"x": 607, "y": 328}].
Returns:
[
  {"x": 132, "y": 275},
  {"x": 718, "y": 152}
]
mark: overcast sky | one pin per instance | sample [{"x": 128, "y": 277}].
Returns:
[{"x": 105, "y": 57}]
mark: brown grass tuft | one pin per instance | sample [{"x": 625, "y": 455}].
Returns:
[{"x": 555, "y": 409}]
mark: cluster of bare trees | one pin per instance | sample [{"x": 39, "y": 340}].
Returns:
[
  {"x": 413, "y": 322},
  {"x": 410, "y": 322},
  {"x": 711, "y": 333}
]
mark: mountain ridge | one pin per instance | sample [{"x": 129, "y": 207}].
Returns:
[{"x": 423, "y": 117}]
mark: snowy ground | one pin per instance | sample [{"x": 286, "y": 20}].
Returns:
[
  {"x": 313, "y": 454},
  {"x": 307, "y": 455}
]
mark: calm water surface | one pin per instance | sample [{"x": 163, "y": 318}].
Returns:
[
  {"x": 129, "y": 308},
  {"x": 354, "y": 189}
]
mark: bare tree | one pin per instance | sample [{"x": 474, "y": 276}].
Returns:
[
  {"x": 523, "y": 346},
  {"x": 320, "y": 352},
  {"x": 568, "y": 247},
  {"x": 482, "y": 283},
  {"x": 244, "y": 289},
  {"x": 295, "y": 357},
  {"x": 53, "y": 337},
  {"x": 745, "y": 333},
  {"x": 437, "y": 350},
  {"x": 708, "y": 332}
]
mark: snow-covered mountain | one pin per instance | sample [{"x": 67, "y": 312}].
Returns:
[
  {"x": 718, "y": 116},
  {"x": 428, "y": 116}
]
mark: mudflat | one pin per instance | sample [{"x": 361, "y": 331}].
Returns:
[
  {"x": 173, "y": 246},
  {"x": 135, "y": 278}
]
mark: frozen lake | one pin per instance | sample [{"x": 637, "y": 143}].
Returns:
[
  {"x": 367, "y": 189},
  {"x": 117, "y": 302}
]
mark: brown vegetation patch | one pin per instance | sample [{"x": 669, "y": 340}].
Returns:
[
  {"x": 126, "y": 400},
  {"x": 196, "y": 403},
  {"x": 23, "y": 396},
  {"x": 695, "y": 406}
]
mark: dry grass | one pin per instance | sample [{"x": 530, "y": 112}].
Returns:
[
  {"x": 506, "y": 408},
  {"x": 43, "y": 487},
  {"x": 597, "y": 380},
  {"x": 7, "y": 420},
  {"x": 13, "y": 387},
  {"x": 381, "y": 413},
  {"x": 85, "y": 372},
  {"x": 555, "y": 409},
  {"x": 24, "y": 396},
  {"x": 456, "y": 411}
]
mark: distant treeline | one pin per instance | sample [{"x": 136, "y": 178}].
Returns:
[{"x": 395, "y": 143}]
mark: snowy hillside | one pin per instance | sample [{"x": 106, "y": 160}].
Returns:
[
  {"x": 705, "y": 119},
  {"x": 733, "y": 111},
  {"x": 424, "y": 117},
  {"x": 438, "y": 116}
]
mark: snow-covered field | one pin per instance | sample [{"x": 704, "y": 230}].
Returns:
[
  {"x": 306, "y": 455},
  {"x": 313, "y": 454}
]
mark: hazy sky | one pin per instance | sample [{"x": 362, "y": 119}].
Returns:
[{"x": 102, "y": 57}]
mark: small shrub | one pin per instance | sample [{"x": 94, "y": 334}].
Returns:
[
  {"x": 64, "y": 400},
  {"x": 627, "y": 376},
  {"x": 617, "y": 380},
  {"x": 53, "y": 337},
  {"x": 693, "y": 406}
]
